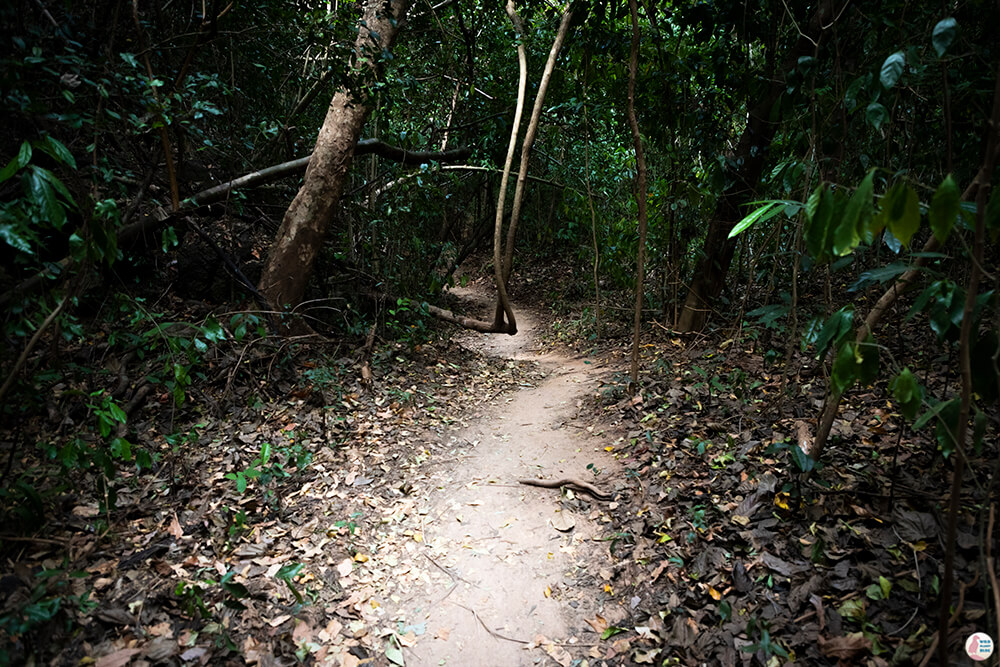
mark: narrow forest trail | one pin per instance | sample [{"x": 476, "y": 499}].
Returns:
[{"x": 500, "y": 573}]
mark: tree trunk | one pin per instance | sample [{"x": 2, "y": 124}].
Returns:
[
  {"x": 303, "y": 228},
  {"x": 640, "y": 194},
  {"x": 710, "y": 273}
]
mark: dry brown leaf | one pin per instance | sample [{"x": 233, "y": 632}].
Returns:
[
  {"x": 598, "y": 623},
  {"x": 175, "y": 527},
  {"x": 119, "y": 658},
  {"x": 846, "y": 647}
]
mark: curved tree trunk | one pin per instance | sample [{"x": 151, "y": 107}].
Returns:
[
  {"x": 710, "y": 273},
  {"x": 303, "y": 228},
  {"x": 503, "y": 302},
  {"x": 503, "y": 268}
]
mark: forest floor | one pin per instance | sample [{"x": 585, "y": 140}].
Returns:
[{"x": 319, "y": 521}]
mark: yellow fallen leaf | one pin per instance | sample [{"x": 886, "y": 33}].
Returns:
[
  {"x": 548, "y": 592},
  {"x": 781, "y": 500},
  {"x": 609, "y": 449},
  {"x": 360, "y": 557},
  {"x": 607, "y": 589},
  {"x": 375, "y": 605},
  {"x": 716, "y": 595},
  {"x": 418, "y": 536}
]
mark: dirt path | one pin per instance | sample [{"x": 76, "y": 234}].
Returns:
[{"x": 494, "y": 567}]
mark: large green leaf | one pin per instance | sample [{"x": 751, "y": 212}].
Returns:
[
  {"x": 944, "y": 208},
  {"x": 944, "y": 34},
  {"x": 768, "y": 210},
  {"x": 821, "y": 204},
  {"x": 836, "y": 329},
  {"x": 946, "y": 428},
  {"x": 908, "y": 393},
  {"x": 877, "y": 115},
  {"x": 43, "y": 196},
  {"x": 854, "y": 223},
  {"x": 892, "y": 69},
  {"x": 901, "y": 212},
  {"x": 845, "y": 368}
]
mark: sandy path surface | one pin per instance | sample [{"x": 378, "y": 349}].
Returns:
[{"x": 510, "y": 573}]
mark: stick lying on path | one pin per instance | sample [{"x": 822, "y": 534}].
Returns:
[{"x": 571, "y": 483}]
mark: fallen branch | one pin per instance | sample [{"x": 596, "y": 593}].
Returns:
[
  {"x": 569, "y": 482},
  {"x": 21, "y": 360},
  {"x": 220, "y": 192}
]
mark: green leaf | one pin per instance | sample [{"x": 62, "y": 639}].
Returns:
[
  {"x": 117, "y": 413},
  {"x": 929, "y": 415},
  {"x": 877, "y": 115},
  {"x": 24, "y": 155},
  {"x": 289, "y": 571},
  {"x": 944, "y": 208},
  {"x": 611, "y": 631},
  {"x": 946, "y": 428},
  {"x": 9, "y": 170},
  {"x": 901, "y": 212},
  {"x": 944, "y": 35},
  {"x": 819, "y": 213},
  {"x": 213, "y": 330},
  {"x": 836, "y": 329},
  {"x": 892, "y": 69},
  {"x": 908, "y": 393},
  {"x": 57, "y": 150},
  {"x": 845, "y": 368},
  {"x": 44, "y": 197},
  {"x": 9, "y": 235},
  {"x": 121, "y": 449},
  {"x": 857, "y": 215},
  {"x": 765, "y": 212},
  {"x": 393, "y": 653}
]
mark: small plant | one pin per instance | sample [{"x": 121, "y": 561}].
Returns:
[{"x": 759, "y": 630}]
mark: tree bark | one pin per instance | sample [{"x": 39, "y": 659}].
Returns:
[
  {"x": 503, "y": 304},
  {"x": 710, "y": 273},
  {"x": 640, "y": 193},
  {"x": 304, "y": 225}
]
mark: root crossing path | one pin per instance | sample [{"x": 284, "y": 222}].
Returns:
[{"x": 505, "y": 573}]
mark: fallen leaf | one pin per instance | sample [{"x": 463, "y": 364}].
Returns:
[
  {"x": 119, "y": 658},
  {"x": 345, "y": 567},
  {"x": 598, "y": 623},
  {"x": 175, "y": 527},
  {"x": 844, "y": 648}
]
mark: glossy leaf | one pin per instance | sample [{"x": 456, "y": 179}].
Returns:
[
  {"x": 856, "y": 218},
  {"x": 836, "y": 329},
  {"x": 765, "y": 212},
  {"x": 944, "y": 35},
  {"x": 944, "y": 209},
  {"x": 901, "y": 212},
  {"x": 24, "y": 155},
  {"x": 892, "y": 69}
]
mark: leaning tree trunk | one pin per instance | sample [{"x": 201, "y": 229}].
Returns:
[
  {"x": 303, "y": 228},
  {"x": 640, "y": 194},
  {"x": 710, "y": 274}
]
